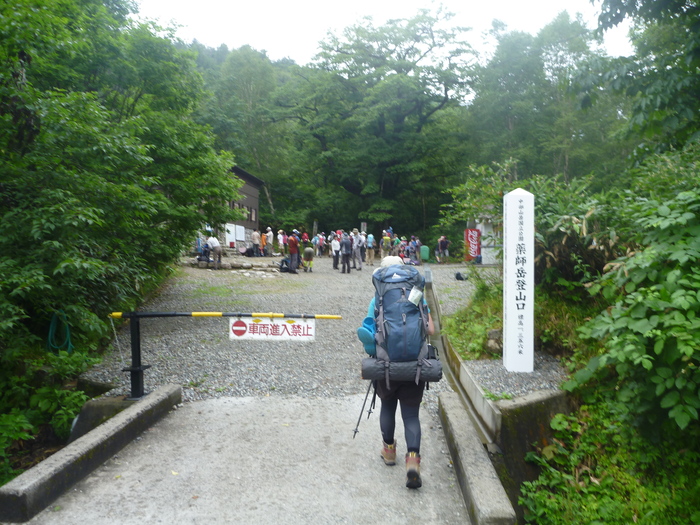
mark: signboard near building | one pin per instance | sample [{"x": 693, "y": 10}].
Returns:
[
  {"x": 235, "y": 234},
  {"x": 518, "y": 281}
]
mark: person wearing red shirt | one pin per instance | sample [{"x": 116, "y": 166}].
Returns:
[{"x": 293, "y": 243}]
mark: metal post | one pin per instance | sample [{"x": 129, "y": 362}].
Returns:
[{"x": 136, "y": 369}]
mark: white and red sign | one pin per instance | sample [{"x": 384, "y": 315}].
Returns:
[
  {"x": 472, "y": 243},
  {"x": 273, "y": 329}
]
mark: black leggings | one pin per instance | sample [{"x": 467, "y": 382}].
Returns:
[{"x": 411, "y": 423}]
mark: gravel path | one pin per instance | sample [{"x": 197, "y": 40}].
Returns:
[{"x": 197, "y": 353}]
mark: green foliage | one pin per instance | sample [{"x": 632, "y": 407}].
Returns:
[
  {"x": 103, "y": 176},
  {"x": 479, "y": 195},
  {"x": 558, "y": 316},
  {"x": 661, "y": 77},
  {"x": 651, "y": 331},
  {"x": 575, "y": 235},
  {"x": 59, "y": 407},
  {"x": 628, "y": 456},
  {"x": 599, "y": 470},
  {"x": 573, "y": 241},
  {"x": 370, "y": 115},
  {"x": 523, "y": 107},
  {"x": 379, "y": 125},
  {"x": 20, "y": 380},
  {"x": 496, "y": 397},
  {"x": 468, "y": 328},
  {"x": 14, "y": 427},
  {"x": 35, "y": 395}
]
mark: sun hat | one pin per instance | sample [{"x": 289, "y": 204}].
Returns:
[{"x": 391, "y": 260}]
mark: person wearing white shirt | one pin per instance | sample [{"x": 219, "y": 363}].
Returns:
[
  {"x": 268, "y": 245},
  {"x": 335, "y": 249},
  {"x": 216, "y": 250}
]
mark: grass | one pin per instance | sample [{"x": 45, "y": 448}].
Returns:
[
  {"x": 468, "y": 328},
  {"x": 557, "y": 318}
]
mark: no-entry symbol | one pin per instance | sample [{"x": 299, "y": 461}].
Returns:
[{"x": 239, "y": 328}]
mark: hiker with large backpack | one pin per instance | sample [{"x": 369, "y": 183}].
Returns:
[{"x": 396, "y": 331}]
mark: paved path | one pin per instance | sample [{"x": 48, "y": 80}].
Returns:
[
  {"x": 263, "y": 460},
  {"x": 267, "y": 459}
]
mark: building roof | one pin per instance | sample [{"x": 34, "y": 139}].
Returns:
[{"x": 247, "y": 177}]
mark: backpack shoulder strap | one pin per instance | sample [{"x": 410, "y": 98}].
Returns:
[{"x": 423, "y": 355}]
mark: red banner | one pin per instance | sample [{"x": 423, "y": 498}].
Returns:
[{"x": 472, "y": 243}]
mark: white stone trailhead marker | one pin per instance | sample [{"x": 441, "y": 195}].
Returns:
[{"x": 518, "y": 281}]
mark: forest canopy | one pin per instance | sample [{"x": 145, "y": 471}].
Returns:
[{"x": 387, "y": 118}]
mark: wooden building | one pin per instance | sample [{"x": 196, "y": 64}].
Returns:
[{"x": 240, "y": 231}]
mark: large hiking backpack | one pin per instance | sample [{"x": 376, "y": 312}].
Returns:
[
  {"x": 401, "y": 324},
  {"x": 284, "y": 265}
]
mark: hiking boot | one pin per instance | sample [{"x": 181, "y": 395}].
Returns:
[
  {"x": 389, "y": 453},
  {"x": 413, "y": 480}
]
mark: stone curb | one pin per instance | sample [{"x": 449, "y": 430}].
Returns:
[
  {"x": 35, "y": 489},
  {"x": 484, "y": 495}
]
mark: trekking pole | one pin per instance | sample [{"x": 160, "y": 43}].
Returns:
[{"x": 363, "y": 409}]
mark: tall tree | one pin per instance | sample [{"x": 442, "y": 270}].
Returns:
[
  {"x": 661, "y": 78},
  {"x": 524, "y": 106},
  {"x": 238, "y": 108},
  {"x": 511, "y": 98},
  {"x": 366, "y": 108},
  {"x": 103, "y": 175}
]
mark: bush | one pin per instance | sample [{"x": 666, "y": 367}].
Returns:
[
  {"x": 558, "y": 317},
  {"x": 14, "y": 427},
  {"x": 599, "y": 470},
  {"x": 630, "y": 452},
  {"x": 468, "y": 328},
  {"x": 37, "y": 399},
  {"x": 651, "y": 331}
]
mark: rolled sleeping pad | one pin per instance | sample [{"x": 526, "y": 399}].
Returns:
[{"x": 402, "y": 371}]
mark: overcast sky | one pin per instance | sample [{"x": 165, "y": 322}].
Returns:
[{"x": 294, "y": 28}]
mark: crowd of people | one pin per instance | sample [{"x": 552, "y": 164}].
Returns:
[
  {"x": 395, "y": 245},
  {"x": 350, "y": 250}
]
